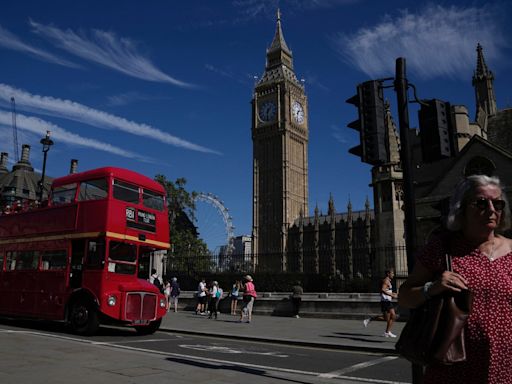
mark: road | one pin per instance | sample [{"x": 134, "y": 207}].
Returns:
[{"x": 43, "y": 352}]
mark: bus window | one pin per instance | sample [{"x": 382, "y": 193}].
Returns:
[
  {"x": 95, "y": 254},
  {"x": 126, "y": 192},
  {"x": 93, "y": 190},
  {"x": 10, "y": 261},
  {"x": 53, "y": 260},
  {"x": 152, "y": 200},
  {"x": 27, "y": 260},
  {"x": 122, "y": 257},
  {"x": 64, "y": 194}
]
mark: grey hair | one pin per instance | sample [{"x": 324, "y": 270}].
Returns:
[{"x": 464, "y": 191}]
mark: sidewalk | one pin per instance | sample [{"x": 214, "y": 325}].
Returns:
[{"x": 327, "y": 333}]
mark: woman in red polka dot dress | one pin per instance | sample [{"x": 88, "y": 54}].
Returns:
[{"x": 482, "y": 263}]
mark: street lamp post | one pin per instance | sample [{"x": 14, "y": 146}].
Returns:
[{"x": 47, "y": 143}]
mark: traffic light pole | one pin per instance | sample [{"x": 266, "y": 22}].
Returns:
[{"x": 401, "y": 86}]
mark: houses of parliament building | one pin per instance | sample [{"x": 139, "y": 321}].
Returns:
[{"x": 359, "y": 243}]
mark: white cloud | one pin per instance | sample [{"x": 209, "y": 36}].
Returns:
[
  {"x": 10, "y": 41},
  {"x": 339, "y": 134},
  {"x": 71, "y": 110},
  {"x": 107, "y": 49},
  {"x": 437, "y": 41},
  {"x": 39, "y": 126},
  {"x": 126, "y": 98}
]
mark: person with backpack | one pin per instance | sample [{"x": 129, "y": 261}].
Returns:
[
  {"x": 215, "y": 296},
  {"x": 235, "y": 293},
  {"x": 156, "y": 281}
]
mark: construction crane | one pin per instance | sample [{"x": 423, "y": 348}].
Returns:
[{"x": 14, "y": 130}]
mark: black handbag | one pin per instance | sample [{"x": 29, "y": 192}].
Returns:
[{"x": 434, "y": 333}]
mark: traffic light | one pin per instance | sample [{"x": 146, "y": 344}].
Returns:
[
  {"x": 435, "y": 130},
  {"x": 371, "y": 123}
]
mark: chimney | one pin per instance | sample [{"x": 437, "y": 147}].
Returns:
[
  {"x": 3, "y": 162},
  {"x": 24, "y": 162},
  {"x": 74, "y": 166},
  {"x": 25, "y": 153}
]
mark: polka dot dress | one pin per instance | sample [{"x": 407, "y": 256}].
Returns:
[{"x": 489, "y": 327}]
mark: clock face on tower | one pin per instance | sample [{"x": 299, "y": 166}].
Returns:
[
  {"x": 267, "y": 111},
  {"x": 297, "y": 112}
]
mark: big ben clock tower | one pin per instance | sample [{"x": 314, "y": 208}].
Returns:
[{"x": 280, "y": 153}]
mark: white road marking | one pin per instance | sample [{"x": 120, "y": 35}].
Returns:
[
  {"x": 221, "y": 349},
  {"x": 357, "y": 367},
  {"x": 197, "y": 358}
]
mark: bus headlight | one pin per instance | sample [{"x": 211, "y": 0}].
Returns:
[
  {"x": 162, "y": 303},
  {"x": 111, "y": 301}
]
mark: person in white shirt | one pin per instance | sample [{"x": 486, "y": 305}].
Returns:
[{"x": 201, "y": 297}]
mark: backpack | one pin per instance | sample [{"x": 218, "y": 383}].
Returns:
[
  {"x": 158, "y": 284},
  {"x": 219, "y": 293}
]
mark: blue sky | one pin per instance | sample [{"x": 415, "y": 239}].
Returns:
[{"x": 165, "y": 86}]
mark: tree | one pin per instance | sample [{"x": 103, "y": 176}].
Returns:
[{"x": 188, "y": 251}]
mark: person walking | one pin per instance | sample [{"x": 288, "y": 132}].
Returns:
[
  {"x": 386, "y": 303},
  {"x": 235, "y": 293},
  {"x": 213, "y": 304},
  {"x": 167, "y": 293},
  {"x": 296, "y": 298},
  {"x": 201, "y": 297},
  {"x": 482, "y": 263},
  {"x": 175, "y": 293},
  {"x": 248, "y": 297}
]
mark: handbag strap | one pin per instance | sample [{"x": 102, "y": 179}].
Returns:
[{"x": 448, "y": 261}]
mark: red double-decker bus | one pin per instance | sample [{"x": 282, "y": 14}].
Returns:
[{"x": 84, "y": 257}]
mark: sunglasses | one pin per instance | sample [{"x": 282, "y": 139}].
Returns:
[{"x": 483, "y": 204}]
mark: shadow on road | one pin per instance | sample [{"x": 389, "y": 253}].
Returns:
[
  {"x": 237, "y": 368},
  {"x": 61, "y": 328}
]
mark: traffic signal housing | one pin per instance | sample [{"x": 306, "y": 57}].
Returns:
[
  {"x": 371, "y": 124},
  {"x": 436, "y": 130}
]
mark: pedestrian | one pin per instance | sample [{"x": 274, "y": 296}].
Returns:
[
  {"x": 482, "y": 262},
  {"x": 167, "y": 293},
  {"x": 213, "y": 304},
  {"x": 156, "y": 280},
  {"x": 296, "y": 298},
  {"x": 235, "y": 293},
  {"x": 175, "y": 293},
  {"x": 201, "y": 297},
  {"x": 386, "y": 303},
  {"x": 248, "y": 298}
]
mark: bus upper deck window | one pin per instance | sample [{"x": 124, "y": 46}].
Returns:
[
  {"x": 93, "y": 190},
  {"x": 126, "y": 192},
  {"x": 152, "y": 200},
  {"x": 64, "y": 194}
]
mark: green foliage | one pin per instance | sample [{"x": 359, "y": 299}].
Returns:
[{"x": 185, "y": 243}]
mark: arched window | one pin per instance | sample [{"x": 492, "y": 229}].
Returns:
[{"x": 479, "y": 165}]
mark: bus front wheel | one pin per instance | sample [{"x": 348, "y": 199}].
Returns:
[
  {"x": 150, "y": 328},
  {"x": 83, "y": 318}
]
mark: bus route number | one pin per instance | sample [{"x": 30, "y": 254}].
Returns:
[{"x": 130, "y": 214}]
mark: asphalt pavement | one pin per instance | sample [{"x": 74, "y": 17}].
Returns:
[{"x": 318, "y": 332}]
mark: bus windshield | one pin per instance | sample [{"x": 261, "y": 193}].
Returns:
[{"x": 122, "y": 258}]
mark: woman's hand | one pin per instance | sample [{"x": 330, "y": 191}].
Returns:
[{"x": 449, "y": 281}]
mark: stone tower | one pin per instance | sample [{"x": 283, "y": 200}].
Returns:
[
  {"x": 387, "y": 182},
  {"x": 280, "y": 152},
  {"x": 484, "y": 90}
]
